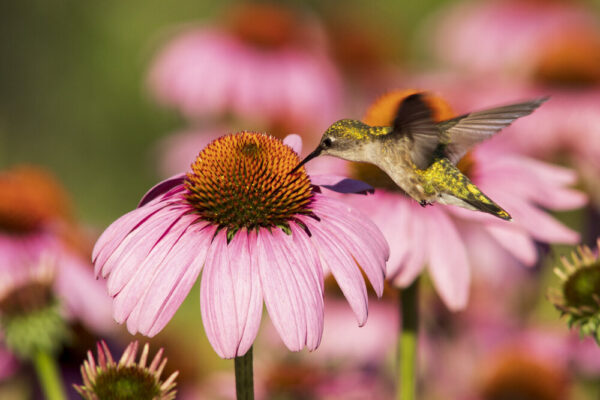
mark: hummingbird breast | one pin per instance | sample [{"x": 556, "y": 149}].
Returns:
[{"x": 394, "y": 157}]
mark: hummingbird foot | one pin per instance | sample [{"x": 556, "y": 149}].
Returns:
[{"x": 424, "y": 203}]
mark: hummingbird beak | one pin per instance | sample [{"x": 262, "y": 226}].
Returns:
[{"x": 309, "y": 157}]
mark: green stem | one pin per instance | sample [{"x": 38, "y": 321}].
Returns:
[
  {"x": 407, "y": 343},
  {"x": 244, "y": 382},
  {"x": 49, "y": 376}
]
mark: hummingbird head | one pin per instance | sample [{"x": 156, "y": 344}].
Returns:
[{"x": 342, "y": 139}]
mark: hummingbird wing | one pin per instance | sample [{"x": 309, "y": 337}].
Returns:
[
  {"x": 463, "y": 132},
  {"x": 414, "y": 120}
]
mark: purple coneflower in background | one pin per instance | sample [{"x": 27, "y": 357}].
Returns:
[
  {"x": 547, "y": 41},
  {"x": 264, "y": 62},
  {"x": 36, "y": 225},
  {"x": 260, "y": 233}
]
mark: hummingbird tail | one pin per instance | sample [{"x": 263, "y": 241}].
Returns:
[{"x": 488, "y": 206}]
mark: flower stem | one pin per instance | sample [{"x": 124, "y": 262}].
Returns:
[
  {"x": 407, "y": 343},
  {"x": 48, "y": 373},
  {"x": 244, "y": 382}
]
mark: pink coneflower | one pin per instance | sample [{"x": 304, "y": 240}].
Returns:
[
  {"x": 260, "y": 233},
  {"x": 36, "y": 225},
  {"x": 439, "y": 237},
  {"x": 550, "y": 41},
  {"x": 264, "y": 63}
]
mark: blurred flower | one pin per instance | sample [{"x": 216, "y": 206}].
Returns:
[
  {"x": 259, "y": 232},
  {"x": 175, "y": 151},
  {"x": 579, "y": 296},
  {"x": 291, "y": 379},
  {"x": 106, "y": 379},
  {"x": 441, "y": 236},
  {"x": 549, "y": 41},
  {"x": 8, "y": 362},
  {"x": 266, "y": 63},
  {"x": 516, "y": 375},
  {"x": 344, "y": 345},
  {"x": 29, "y": 314},
  {"x": 495, "y": 348},
  {"x": 35, "y": 226}
]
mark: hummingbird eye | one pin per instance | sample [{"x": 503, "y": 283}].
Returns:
[{"x": 327, "y": 142}]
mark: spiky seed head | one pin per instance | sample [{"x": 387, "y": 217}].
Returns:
[
  {"x": 579, "y": 296},
  {"x": 105, "y": 379}
]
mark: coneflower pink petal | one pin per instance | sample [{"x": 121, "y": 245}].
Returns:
[
  {"x": 161, "y": 188},
  {"x": 515, "y": 240},
  {"x": 341, "y": 184},
  {"x": 294, "y": 141},
  {"x": 249, "y": 300},
  {"x": 342, "y": 266},
  {"x": 354, "y": 216},
  {"x": 135, "y": 248},
  {"x": 230, "y": 295},
  {"x": 184, "y": 284},
  {"x": 112, "y": 237},
  {"x": 539, "y": 182},
  {"x": 539, "y": 224},
  {"x": 173, "y": 276},
  {"x": 360, "y": 245},
  {"x": 448, "y": 263},
  {"x": 292, "y": 295},
  {"x": 416, "y": 239},
  {"x": 217, "y": 299},
  {"x": 307, "y": 269},
  {"x": 131, "y": 287}
]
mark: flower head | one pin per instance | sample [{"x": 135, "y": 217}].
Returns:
[
  {"x": 265, "y": 64},
  {"x": 127, "y": 379},
  {"x": 448, "y": 239},
  {"x": 29, "y": 311},
  {"x": 550, "y": 42},
  {"x": 37, "y": 230},
  {"x": 260, "y": 233},
  {"x": 579, "y": 297}
]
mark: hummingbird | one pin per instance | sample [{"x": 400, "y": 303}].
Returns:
[{"x": 420, "y": 155}]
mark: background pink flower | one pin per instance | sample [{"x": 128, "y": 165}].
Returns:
[
  {"x": 520, "y": 38},
  {"x": 277, "y": 72},
  {"x": 36, "y": 225}
]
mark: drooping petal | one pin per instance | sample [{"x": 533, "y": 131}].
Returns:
[
  {"x": 352, "y": 215},
  {"x": 448, "y": 262},
  {"x": 217, "y": 299},
  {"x": 416, "y": 247},
  {"x": 172, "y": 279},
  {"x": 247, "y": 278},
  {"x": 292, "y": 296},
  {"x": 515, "y": 240},
  {"x": 307, "y": 258},
  {"x": 342, "y": 266},
  {"x": 112, "y": 237},
  {"x": 133, "y": 250},
  {"x": 129, "y": 284},
  {"x": 356, "y": 241},
  {"x": 241, "y": 276}
]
